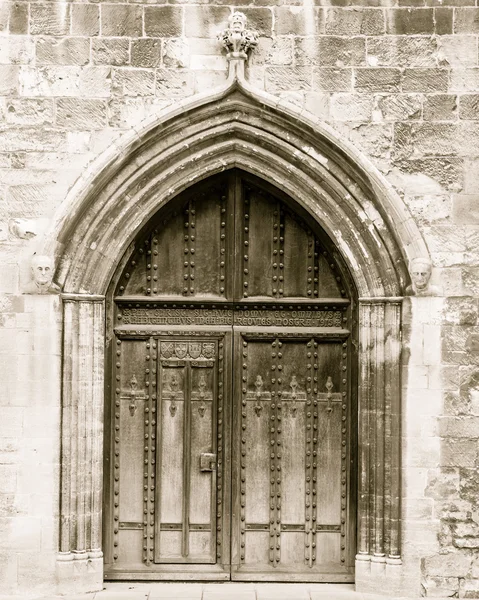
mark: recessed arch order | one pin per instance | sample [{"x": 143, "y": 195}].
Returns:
[{"x": 233, "y": 127}]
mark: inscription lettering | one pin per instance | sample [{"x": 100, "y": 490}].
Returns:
[
  {"x": 292, "y": 318},
  {"x": 174, "y": 316},
  {"x": 246, "y": 318}
]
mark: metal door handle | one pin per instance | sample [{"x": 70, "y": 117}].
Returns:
[{"x": 207, "y": 462}]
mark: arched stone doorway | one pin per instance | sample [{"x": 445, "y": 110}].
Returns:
[
  {"x": 231, "y": 438},
  {"x": 333, "y": 186}
]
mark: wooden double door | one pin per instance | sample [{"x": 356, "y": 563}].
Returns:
[{"x": 230, "y": 449}]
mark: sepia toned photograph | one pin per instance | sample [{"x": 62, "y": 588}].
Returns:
[{"x": 239, "y": 299}]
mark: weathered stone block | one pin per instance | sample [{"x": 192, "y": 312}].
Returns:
[
  {"x": 317, "y": 104},
  {"x": 400, "y": 107},
  {"x": 205, "y": 21},
  {"x": 425, "y": 80},
  {"x": 467, "y": 20},
  {"x": 440, "y": 107},
  {"x": 306, "y": 50},
  {"x": 407, "y": 21},
  {"x": 281, "y": 78},
  {"x": 260, "y": 20},
  {"x": 354, "y": 21},
  {"x": 8, "y": 480},
  {"x": 351, "y": 107},
  {"x": 36, "y": 569},
  {"x": 455, "y": 404},
  {"x": 435, "y": 175},
  {"x": 29, "y": 111},
  {"x": 9, "y": 80},
  {"x": 173, "y": 84},
  {"x": 209, "y": 64},
  {"x": 459, "y": 452},
  {"x": 464, "y": 80},
  {"x": 377, "y": 80},
  {"x": 428, "y": 138},
  {"x": 440, "y": 587},
  {"x": 453, "y": 564},
  {"x": 469, "y": 106},
  {"x": 48, "y": 81},
  {"x": 418, "y": 508},
  {"x": 375, "y": 140},
  {"x": 402, "y": 52},
  {"x": 332, "y": 80},
  {"x": 52, "y": 18},
  {"x": 77, "y": 113},
  {"x": 30, "y": 200},
  {"x": 95, "y": 82},
  {"x": 176, "y": 53},
  {"x": 293, "y": 20},
  {"x": 457, "y": 51},
  {"x": 461, "y": 311},
  {"x": 16, "y": 50},
  {"x": 469, "y": 588},
  {"x": 18, "y": 18},
  {"x": 443, "y": 18},
  {"x": 207, "y": 79},
  {"x": 9, "y": 572},
  {"x": 421, "y": 452},
  {"x": 121, "y": 20},
  {"x": 276, "y": 52},
  {"x": 67, "y": 51},
  {"x": 110, "y": 51},
  {"x": 145, "y": 53},
  {"x": 466, "y": 209},
  {"x": 341, "y": 52},
  {"x": 459, "y": 427},
  {"x": 428, "y": 209},
  {"x": 85, "y": 19}
]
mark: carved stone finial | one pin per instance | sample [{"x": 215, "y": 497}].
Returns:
[
  {"x": 238, "y": 41},
  {"x": 421, "y": 271},
  {"x": 42, "y": 277}
]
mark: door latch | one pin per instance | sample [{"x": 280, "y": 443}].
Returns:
[{"x": 207, "y": 462}]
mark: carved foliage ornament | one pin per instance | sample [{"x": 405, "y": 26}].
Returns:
[{"x": 236, "y": 38}]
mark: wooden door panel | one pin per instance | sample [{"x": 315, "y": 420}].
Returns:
[
  {"x": 291, "y": 502},
  {"x": 185, "y": 525},
  {"x": 131, "y": 392}
]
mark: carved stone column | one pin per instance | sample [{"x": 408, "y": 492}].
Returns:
[
  {"x": 80, "y": 560},
  {"x": 379, "y": 434}
]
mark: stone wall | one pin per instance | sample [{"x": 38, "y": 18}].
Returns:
[{"x": 400, "y": 81}]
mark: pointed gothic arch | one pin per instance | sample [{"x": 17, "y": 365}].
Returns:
[{"x": 235, "y": 126}]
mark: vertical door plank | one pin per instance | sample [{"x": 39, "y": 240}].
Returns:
[
  {"x": 258, "y": 221},
  {"x": 208, "y": 230},
  {"x": 171, "y": 254},
  {"x": 202, "y": 382},
  {"x": 297, "y": 248}
]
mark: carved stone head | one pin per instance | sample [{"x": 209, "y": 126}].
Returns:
[
  {"x": 421, "y": 270},
  {"x": 237, "y": 21},
  {"x": 42, "y": 276},
  {"x": 42, "y": 270}
]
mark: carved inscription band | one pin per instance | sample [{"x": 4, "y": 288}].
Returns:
[{"x": 255, "y": 318}]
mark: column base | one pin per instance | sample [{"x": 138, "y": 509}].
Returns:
[
  {"x": 79, "y": 573},
  {"x": 379, "y": 574}
]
